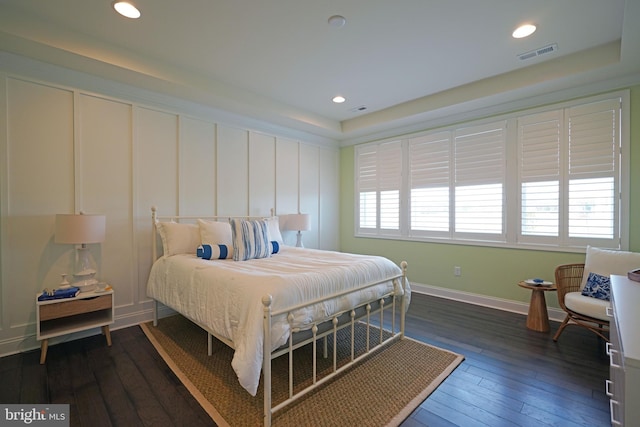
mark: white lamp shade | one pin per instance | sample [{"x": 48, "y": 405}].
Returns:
[
  {"x": 79, "y": 229},
  {"x": 299, "y": 222}
]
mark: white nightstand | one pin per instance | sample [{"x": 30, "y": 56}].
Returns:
[{"x": 67, "y": 315}]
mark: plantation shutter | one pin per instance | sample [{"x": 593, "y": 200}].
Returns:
[
  {"x": 367, "y": 182},
  {"x": 594, "y": 152},
  {"x": 390, "y": 181},
  {"x": 539, "y": 142},
  {"x": 479, "y": 179},
  {"x": 367, "y": 164},
  {"x": 429, "y": 164},
  {"x": 379, "y": 178}
]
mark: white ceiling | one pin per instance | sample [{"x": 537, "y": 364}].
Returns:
[{"x": 280, "y": 61}]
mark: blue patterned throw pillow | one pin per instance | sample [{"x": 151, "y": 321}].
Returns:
[
  {"x": 250, "y": 240},
  {"x": 597, "y": 287}
]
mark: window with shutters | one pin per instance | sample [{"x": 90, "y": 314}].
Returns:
[
  {"x": 429, "y": 182},
  {"x": 379, "y": 181},
  {"x": 480, "y": 155},
  {"x": 593, "y": 134},
  {"x": 573, "y": 152},
  {"x": 539, "y": 137},
  {"x": 551, "y": 178}
]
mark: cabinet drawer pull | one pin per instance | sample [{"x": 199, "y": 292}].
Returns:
[
  {"x": 612, "y": 353},
  {"x": 608, "y": 348},
  {"x": 607, "y": 388},
  {"x": 613, "y": 403}
]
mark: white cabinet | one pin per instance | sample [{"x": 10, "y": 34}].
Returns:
[{"x": 623, "y": 386}]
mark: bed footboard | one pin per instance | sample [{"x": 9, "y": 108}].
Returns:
[{"x": 346, "y": 319}]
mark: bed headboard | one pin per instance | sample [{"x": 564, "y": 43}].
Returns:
[{"x": 155, "y": 219}]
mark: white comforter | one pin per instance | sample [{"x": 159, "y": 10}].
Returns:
[{"x": 225, "y": 296}]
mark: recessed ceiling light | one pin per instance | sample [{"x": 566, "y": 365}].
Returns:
[
  {"x": 339, "y": 99},
  {"x": 127, "y": 9},
  {"x": 337, "y": 21},
  {"x": 524, "y": 31}
]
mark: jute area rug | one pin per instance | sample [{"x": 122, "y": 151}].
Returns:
[{"x": 383, "y": 389}]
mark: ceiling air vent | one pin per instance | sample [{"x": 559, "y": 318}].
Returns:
[
  {"x": 538, "y": 52},
  {"x": 358, "y": 109}
]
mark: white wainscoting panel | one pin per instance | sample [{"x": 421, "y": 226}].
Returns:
[
  {"x": 287, "y": 182},
  {"x": 40, "y": 184},
  {"x": 262, "y": 174},
  {"x": 156, "y": 177},
  {"x": 310, "y": 190},
  {"x": 329, "y": 198},
  {"x": 198, "y": 167},
  {"x": 233, "y": 171},
  {"x": 105, "y": 187}
]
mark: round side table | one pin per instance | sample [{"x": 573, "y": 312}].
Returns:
[{"x": 538, "y": 318}]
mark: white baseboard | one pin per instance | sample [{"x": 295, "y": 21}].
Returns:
[{"x": 555, "y": 314}]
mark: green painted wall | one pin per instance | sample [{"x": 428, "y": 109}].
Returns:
[{"x": 488, "y": 271}]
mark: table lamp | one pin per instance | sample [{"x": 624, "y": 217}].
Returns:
[
  {"x": 81, "y": 229},
  {"x": 299, "y": 222}
]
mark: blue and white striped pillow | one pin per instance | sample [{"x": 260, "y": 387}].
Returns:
[
  {"x": 250, "y": 239},
  {"x": 214, "y": 252}
]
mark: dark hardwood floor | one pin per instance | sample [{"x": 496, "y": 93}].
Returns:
[{"x": 510, "y": 377}]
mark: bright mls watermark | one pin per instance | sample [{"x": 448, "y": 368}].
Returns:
[{"x": 36, "y": 415}]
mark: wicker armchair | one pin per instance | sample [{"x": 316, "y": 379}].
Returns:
[{"x": 568, "y": 279}]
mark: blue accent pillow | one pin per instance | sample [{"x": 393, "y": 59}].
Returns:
[
  {"x": 214, "y": 252},
  {"x": 597, "y": 287},
  {"x": 275, "y": 247},
  {"x": 250, "y": 239}
]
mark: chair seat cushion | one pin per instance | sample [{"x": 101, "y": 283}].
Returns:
[{"x": 589, "y": 306}]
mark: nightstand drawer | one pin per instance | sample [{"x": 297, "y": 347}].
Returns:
[{"x": 71, "y": 308}]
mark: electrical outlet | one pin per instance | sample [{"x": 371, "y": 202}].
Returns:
[{"x": 457, "y": 271}]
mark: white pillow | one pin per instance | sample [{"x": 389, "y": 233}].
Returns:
[
  {"x": 606, "y": 262},
  {"x": 250, "y": 239},
  {"x": 178, "y": 238},
  {"x": 273, "y": 226},
  {"x": 215, "y": 233}
]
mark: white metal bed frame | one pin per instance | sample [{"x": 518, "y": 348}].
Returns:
[{"x": 362, "y": 313}]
